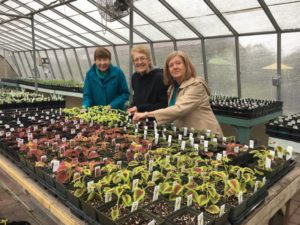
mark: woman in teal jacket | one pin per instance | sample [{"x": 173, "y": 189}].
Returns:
[{"x": 104, "y": 83}]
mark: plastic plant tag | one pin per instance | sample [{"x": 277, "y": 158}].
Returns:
[
  {"x": 179, "y": 137},
  {"x": 185, "y": 130},
  {"x": 135, "y": 131},
  {"x": 135, "y": 183},
  {"x": 200, "y": 219},
  {"x": 151, "y": 166},
  {"x": 272, "y": 153},
  {"x": 97, "y": 171},
  {"x": 189, "y": 200},
  {"x": 191, "y": 178},
  {"x": 289, "y": 152},
  {"x": 35, "y": 127},
  {"x": 79, "y": 134},
  {"x": 90, "y": 186},
  {"x": 44, "y": 129},
  {"x": 119, "y": 163},
  {"x": 20, "y": 142},
  {"x": 145, "y": 127},
  {"x": 222, "y": 210},
  {"x": 215, "y": 140},
  {"x": 240, "y": 197},
  {"x": 201, "y": 137},
  {"x": 236, "y": 149},
  {"x": 30, "y": 136},
  {"x": 73, "y": 131},
  {"x": 182, "y": 145},
  {"x": 224, "y": 139},
  {"x": 206, "y": 149},
  {"x": 64, "y": 140},
  {"x": 224, "y": 153},
  {"x": 251, "y": 144},
  {"x": 134, "y": 206},
  {"x": 145, "y": 134},
  {"x": 156, "y": 139},
  {"x": 107, "y": 197},
  {"x": 177, "y": 203},
  {"x": 43, "y": 158},
  {"x": 219, "y": 156},
  {"x": 152, "y": 222},
  {"x": 280, "y": 154},
  {"x": 174, "y": 129},
  {"x": 196, "y": 147},
  {"x": 191, "y": 135},
  {"x": 192, "y": 141},
  {"x": 169, "y": 140},
  {"x": 256, "y": 186},
  {"x": 54, "y": 164},
  {"x": 268, "y": 163},
  {"x": 264, "y": 180},
  {"x": 155, "y": 193},
  {"x": 205, "y": 144}
]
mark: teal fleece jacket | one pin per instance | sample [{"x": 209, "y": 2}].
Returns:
[{"x": 112, "y": 89}]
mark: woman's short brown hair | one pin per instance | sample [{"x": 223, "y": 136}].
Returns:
[
  {"x": 143, "y": 49},
  {"x": 102, "y": 53},
  {"x": 190, "y": 68}
]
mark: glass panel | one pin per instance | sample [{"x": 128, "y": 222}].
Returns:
[
  {"x": 200, "y": 16},
  {"x": 67, "y": 11},
  {"x": 156, "y": 35},
  {"x": 29, "y": 60},
  {"x": 63, "y": 65},
  {"x": 161, "y": 50},
  {"x": 290, "y": 71},
  {"x": 123, "y": 53},
  {"x": 47, "y": 43},
  {"x": 181, "y": 31},
  {"x": 286, "y": 15},
  {"x": 244, "y": 16},
  {"x": 11, "y": 62},
  {"x": 46, "y": 30},
  {"x": 221, "y": 66},
  {"x": 57, "y": 28},
  {"x": 256, "y": 53},
  {"x": 110, "y": 37},
  {"x": 87, "y": 23},
  {"x": 73, "y": 63},
  {"x": 55, "y": 73},
  {"x": 125, "y": 33},
  {"x": 67, "y": 40},
  {"x": 194, "y": 50},
  {"x": 84, "y": 5},
  {"x": 34, "y": 5},
  {"x": 51, "y": 14},
  {"x": 82, "y": 57},
  {"x": 58, "y": 43},
  {"x": 28, "y": 70},
  {"x": 112, "y": 25},
  {"x": 71, "y": 25},
  {"x": 22, "y": 70},
  {"x": 95, "y": 39}
]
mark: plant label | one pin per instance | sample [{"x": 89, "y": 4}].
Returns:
[
  {"x": 1, "y": 133},
  {"x": 222, "y": 210},
  {"x": 125, "y": 129},
  {"x": 280, "y": 154},
  {"x": 256, "y": 186},
  {"x": 152, "y": 222},
  {"x": 185, "y": 130},
  {"x": 224, "y": 153},
  {"x": 236, "y": 149},
  {"x": 272, "y": 153},
  {"x": 169, "y": 140},
  {"x": 134, "y": 206},
  {"x": 145, "y": 127},
  {"x": 238, "y": 174},
  {"x": 251, "y": 144},
  {"x": 156, "y": 139},
  {"x": 44, "y": 129},
  {"x": 20, "y": 142},
  {"x": 177, "y": 203},
  {"x": 117, "y": 147},
  {"x": 34, "y": 141},
  {"x": 192, "y": 142},
  {"x": 268, "y": 163},
  {"x": 12, "y": 129},
  {"x": 289, "y": 152},
  {"x": 97, "y": 171},
  {"x": 224, "y": 139},
  {"x": 219, "y": 156},
  {"x": 191, "y": 179},
  {"x": 196, "y": 147},
  {"x": 155, "y": 193},
  {"x": 83, "y": 130},
  {"x": 54, "y": 165},
  {"x": 205, "y": 144},
  {"x": 151, "y": 167},
  {"x": 136, "y": 131},
  {"x": 90, "y": 186},
  {"x": 57, "y": 136},
  {"x": 79, "y": 134},
  {"x": 179, "y": 138},
  {"x": 200, "y": 219},
  {"x": 191, "y": 135},
  {"x": 64, "y": 140},
  {"x": 145, "y": 134},
  {"x": 206, "y": 149},
  {"x": 164, "y": 136},
  {"x": 189, "y": 200},
  {"x": 119, "y": 163},
  {"x": 73, "y": 131},
  {"x": 240, "y": 197},
  {"x": 35, "y": 127},
  {"x": 215, "y": 140},
  {"x": 30, "y": 136},
  {"x": 81, "y": 121},
  {"x": 182, "y": 145},
  {"x": 64, "y": 128},
  {"x": 295, "y": 127},
  {"x": 201, "y": 137},
  {"x": 52, "y": 121},
  {"x": 135, "y": 183},
  {"x": 6, "y": 126},
  {"x": 264, "y": 180},
  {"x": 77, "y": 126},
  {"x": 61, "y": 152},
  {"x": 107, "y": 197},
  {"x": 174, "y": 129}
]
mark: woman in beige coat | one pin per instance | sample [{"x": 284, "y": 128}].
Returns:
[{"x": 188, "y": 97}]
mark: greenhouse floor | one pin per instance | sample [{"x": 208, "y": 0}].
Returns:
[{"x": 17, "y": 205}]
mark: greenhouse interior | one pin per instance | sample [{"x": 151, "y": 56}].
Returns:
[{"x": 144, "y": 112}]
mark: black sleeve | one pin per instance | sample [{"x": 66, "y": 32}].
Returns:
[
  {"x": 161, "y": 97},
  {"x": 133, "y": 88}
]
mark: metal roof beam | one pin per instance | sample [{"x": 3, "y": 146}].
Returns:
[
  {"x": 220, "y": 16},
  {"x": 14, "y": 15},
  {"x": 269, "y": 15},
  {"x": 181, "y": 18}
]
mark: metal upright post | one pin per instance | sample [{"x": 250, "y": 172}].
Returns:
[
  {"x": 34, "y": 54},
  {"x": 130, "y": 44}
]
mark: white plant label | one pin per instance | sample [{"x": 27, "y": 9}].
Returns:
[
  {"x": 256, "y": 186},
  {"x": 189, "y": 200},
  {"x": 289, "y": 153},
  {"x": 224, "y": 139},
  {"x": 192, "y": 141},
  {"x": 219, "y": 156},
  {"x": 179, "y": 138},
  {"x": 43, "y": 158},
  {"x": 280, "y": 154},
  {"x": 54, "y": 164},
  {"x": 251, "y": 144},
  {"x": 191, "y": 179},
  {"x": 134, "y": 206},
  {"x": 169, "y": 140},
  {"x": 64, "y": 140},
  {"x": 201, "y": 137},
  {"x": 107, "y": 197},
  {"x": 240, "y": 197},
  {"x": 264, "y": 180},
  {"x": 177, "y": 203},
  {"x": 182, "y": 145},
  {"x": 152, "y": 222},
  {"x": 272, "y": 153},
  {"x": 135, "y": 183},
  {"x": 236, "y": 149},
  {"x": 196, "y": 147},
  {"x": 206, "y": 144},
  {"x": 90, "y": 186},
  {"x": 191, "y": 135},
  {"x": 174, "y": 129},
  {"x": 151, "y": 166},
  {"x": 222, "y": 210},
  {"x": 97, "y": 171},
  {"x": 200, "y": 219},
  {"x": 155, "y": 193},
  {"x": 73, "y": 131},
  {"x": 238, "y": 174},
  {"x": 185, "y": 130},
  {"x": 145, "y": 134},
  {"x": 119, "y": 163},
  {"x": 224, "y": 153},
  {"x": 215, "y": 140},
  {"x": 268, "y": 163}
]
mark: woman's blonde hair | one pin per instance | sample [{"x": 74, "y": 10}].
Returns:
[
  {"x": 190, "y": 68},
  {"x": 143, "y": 50}
]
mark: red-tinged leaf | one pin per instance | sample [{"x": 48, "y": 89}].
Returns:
[
  {"x": 127, "y": 201},
  {"x": 194, "y": 193},
  {"x": 197, "y": 170},
  {"x": 165, "y": 188},
  {"x": 234, "y": 184},
  {"x": 138, "y": 194},
  {"x": 177, "y": 189},
  {"x": 63, "y": 177},
  {"x": 209, "y": 154},
  {"x": 202, "y": 200},
  {"x": 125, "y": 175},
  {"x": 213, "y": 209},
  {"x": 115, "y": 213},
  {"x": 191, "y": 185}
]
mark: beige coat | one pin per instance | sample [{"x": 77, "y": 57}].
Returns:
[{"x": 192, "y": 108}]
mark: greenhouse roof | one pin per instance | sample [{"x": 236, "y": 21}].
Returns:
[{"x": 63, "y": 24}]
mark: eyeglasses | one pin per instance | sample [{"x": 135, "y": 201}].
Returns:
[{"x": 140, "y": 59}]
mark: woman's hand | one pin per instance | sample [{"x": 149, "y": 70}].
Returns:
[
  {"x": 139, "y": 116},
  {"x": 132, "y": 110}
]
